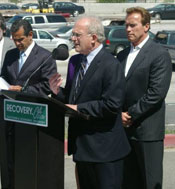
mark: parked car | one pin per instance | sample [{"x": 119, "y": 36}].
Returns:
[
  {"x": 47, "y": 21},
  {"x": 113, "y": 22},
  {"x": 116, "y": 39},
  {"x": 163, "y": 11},
  {"x": 63, "y": 32},
  {"x": 167, "y": 39},
  {"x": 48, "y": 41},
  {"x": 30, "y": 5},
  {"x": 8, "y": 10},
  {"x": 68, "y": 7}
]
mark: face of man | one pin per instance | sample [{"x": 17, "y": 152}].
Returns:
[
  {"x": 22, "y": 42},
  {"x": 136, "y": 32},
  {"x": 84, "y": 42}
]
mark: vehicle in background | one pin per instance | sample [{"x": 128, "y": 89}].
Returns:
[
  {"x": 113, "y": 22},
  {"x": 63, "y": 32},
  {"x": 167, "y": 39},
  {"x": 48, "y": 21},
  {"x": 116, "y": 38},
  {"x": 68, "y": 7},
  {"x": 30, "y": 6},
  {"x": 36, "y": 8},
  {"x": 9, "y": 10},
  {"x": 48, "y": 41},
  {"x": 163, "y": 11}
]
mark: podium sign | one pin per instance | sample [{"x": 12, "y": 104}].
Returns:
[
  {"x": 25, "y": 112},
  {"x": 38, "y": 151}
]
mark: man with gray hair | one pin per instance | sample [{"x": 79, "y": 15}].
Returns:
[{"x": 95, "y": 86}]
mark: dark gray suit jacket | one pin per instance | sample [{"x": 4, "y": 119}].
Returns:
[
  {"x": 147, "y": 84},
  {"x": 8, "y": 44},
  {"x": 39, "y": 81},
  {"x": 101, "y": 139}
]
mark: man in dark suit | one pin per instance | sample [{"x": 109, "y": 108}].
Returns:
[
  {"x": 33, "y": 57},
  {"x": 16, "y": 70},
  {"x": 98, "y": 145},
  {"x": 148, "y": 72}
]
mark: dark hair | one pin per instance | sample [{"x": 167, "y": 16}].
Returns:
[
  {"x": 21, "y": 23},
  {"x": 143, "y": 12},
  {"x": 2, "y": 23}
]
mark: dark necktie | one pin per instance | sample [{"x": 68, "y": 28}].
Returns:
[{"x": 80, "y": 76}]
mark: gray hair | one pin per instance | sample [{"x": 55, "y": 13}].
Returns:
[{"x": 95, "y": 27}]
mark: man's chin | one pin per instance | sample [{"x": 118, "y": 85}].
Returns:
[
  {"x": 20, "y": 48},
  {"x": 77, "y": 48}
]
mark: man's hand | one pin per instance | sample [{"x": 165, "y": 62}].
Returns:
[
  {"x": 15, "y": 88},
  {"x": 55, "y": 82},
  {"x": 74, "y": 107},
  {"x": 126, "y": 119}
]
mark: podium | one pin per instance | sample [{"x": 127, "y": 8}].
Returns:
[{"x": 39, "y": 151}]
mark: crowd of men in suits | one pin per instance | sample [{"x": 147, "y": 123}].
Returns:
[{"x": 121, "y": 145}]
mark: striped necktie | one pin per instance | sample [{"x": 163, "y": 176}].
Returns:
[{"x": 80, "y": 76}]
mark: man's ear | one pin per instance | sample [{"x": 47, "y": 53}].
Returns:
[
  {"x": 147, "y": 27},
  {"x": 30, "y": 34},
  {"x": 94, "y": 37}
]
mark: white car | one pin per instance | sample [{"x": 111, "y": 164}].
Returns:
[{"x": 48, "y": 41}]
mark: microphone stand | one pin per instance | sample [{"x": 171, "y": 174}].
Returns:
[{"x": 27, "y": 81}]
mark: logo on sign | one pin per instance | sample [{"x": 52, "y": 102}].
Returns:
[{"x": 24, "y": 112}]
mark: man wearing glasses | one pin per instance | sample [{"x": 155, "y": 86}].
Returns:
[{"x": 95, "y": 86}]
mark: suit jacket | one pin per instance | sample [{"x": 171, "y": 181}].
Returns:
[
  {"x": 101, "y": 92},
  {"x": 39, "y": 81},
  {"x": 8, "y": 44},
  {"x": 147, "y": 84}
]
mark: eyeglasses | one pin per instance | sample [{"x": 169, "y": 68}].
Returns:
[{"x": 78, "y": 35}]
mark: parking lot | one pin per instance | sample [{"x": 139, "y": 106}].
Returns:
[{"x": 169, "y": 157}]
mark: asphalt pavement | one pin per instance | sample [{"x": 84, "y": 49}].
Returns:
[{"x": 168, "y": 177}]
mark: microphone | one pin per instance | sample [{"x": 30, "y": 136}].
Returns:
[
  {"x": 60, "y": 53},
  {"x": 57, "y": 54}
]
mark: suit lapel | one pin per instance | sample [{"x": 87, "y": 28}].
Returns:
[
  {"x": 139, "y": 59},
  {"x": 30, "y": 59},
  {"x": 15, "y": 64},
  {"x": 89, "y": 74},
  {"x": 125, "y": 58},
  {"x": 77, "y": 67}
]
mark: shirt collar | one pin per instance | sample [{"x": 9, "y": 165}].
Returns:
[
  {"x": 29, "y": 49},
  {"x": 140, "y": 45},
  {"x": 92, "y": 54}
]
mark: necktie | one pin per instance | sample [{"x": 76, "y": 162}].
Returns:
[
  {"x": 21, "y": 60},
  {"x": 80, "y": 76}
]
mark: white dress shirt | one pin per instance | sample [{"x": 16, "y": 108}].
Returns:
[
  {"x": 133, "y": 53},
  {"x": 28, "y": 51}
]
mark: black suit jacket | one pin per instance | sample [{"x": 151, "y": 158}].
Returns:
[
  {"x": 147, "y": 84},
  {"x": 100, "y": 95},
  {"x": 39, "y": 81}
]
